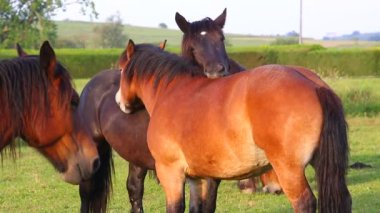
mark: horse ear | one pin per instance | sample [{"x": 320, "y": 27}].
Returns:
[
  {"x": 163, "y": 45},
  {"x": 48, "y": 60},
  {"x": 127, "y": 54},
  {"x": 221, "y": 19},
  {"x": 20, "y": 51},
  {"x": 182, "y": 23},
  {"x": 130, "y": 49}
]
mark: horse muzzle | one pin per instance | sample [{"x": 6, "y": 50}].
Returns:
[{"x": 216, "y": 71}]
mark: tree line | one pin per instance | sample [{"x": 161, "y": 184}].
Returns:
[{"x": 28, "y": 22}]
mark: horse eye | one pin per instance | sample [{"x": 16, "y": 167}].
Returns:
[{"x": 74, "y": 103}]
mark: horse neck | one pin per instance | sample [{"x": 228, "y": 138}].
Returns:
[
  {"x": 235, "y": 67},
  {"x": 151, "y": 94}
]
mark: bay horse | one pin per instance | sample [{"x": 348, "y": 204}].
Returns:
[
  {"x": 37, "y": 104},
  {"x": 203, "y": 43},
  {"x": 286, "y": 121}
]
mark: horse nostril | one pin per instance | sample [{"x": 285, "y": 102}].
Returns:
[{"x": 95, "y": 165}]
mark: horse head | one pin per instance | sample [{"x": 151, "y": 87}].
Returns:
[
  {"x": 203, "y": 43},
  {"x": 54, "y": 128}
]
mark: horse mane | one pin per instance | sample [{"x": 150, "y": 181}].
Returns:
[
  {"x": 151, "y": 61},
  {"x": 196, "y": 27},
  {"x": 24, "y": 86}
]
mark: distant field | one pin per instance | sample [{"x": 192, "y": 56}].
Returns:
[{"x": 83, "y": 31}]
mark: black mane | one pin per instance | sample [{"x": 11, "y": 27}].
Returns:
[{"x": 151, "y": 61}]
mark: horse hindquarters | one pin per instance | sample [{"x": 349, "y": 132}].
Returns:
[{"x": 332, "y": 156}]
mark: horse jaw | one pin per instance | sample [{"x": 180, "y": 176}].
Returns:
[{"x": 123, "y": 106}]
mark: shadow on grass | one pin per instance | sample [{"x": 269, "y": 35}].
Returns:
[{"x": 365, "y": 175}]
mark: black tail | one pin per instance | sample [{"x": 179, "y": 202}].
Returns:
[
  {"x": 95, "y": 193},
  {"x": 332, "y": 156}
]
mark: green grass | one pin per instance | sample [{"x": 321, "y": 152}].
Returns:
[
  {"x": 360, "y": 95},
  {"x": 31, "y": 185}
]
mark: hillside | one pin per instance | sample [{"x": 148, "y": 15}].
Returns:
[{"x": 83, "y": 32}]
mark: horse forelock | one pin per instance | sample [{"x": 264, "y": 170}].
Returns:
[
  {"x": 206, "y": 24},
  {"x": 149, "y": 61}
]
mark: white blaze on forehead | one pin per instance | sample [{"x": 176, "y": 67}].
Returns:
[{"x": 203, "y": 33}]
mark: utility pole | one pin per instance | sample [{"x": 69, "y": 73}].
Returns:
[{"x": 300, "y": 34}]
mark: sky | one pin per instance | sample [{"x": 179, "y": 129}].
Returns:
[{"x": 253, "y": 17}]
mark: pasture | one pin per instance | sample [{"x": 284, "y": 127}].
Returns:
[{"x": 30, "y": 184}]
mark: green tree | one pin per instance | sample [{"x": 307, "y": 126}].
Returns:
[
  {"x": 110, "y": 34},
  {"x": 28, "y": 22}
]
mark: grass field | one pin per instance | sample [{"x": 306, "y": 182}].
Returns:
[{"x": 31, "y": 185}]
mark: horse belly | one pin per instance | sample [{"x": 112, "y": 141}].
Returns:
[{"x": 232, "y": 160}]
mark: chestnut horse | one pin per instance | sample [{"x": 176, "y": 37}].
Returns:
[
  {"x": 37, "y": 104},
  {"x": 285, "y": 121},
  {"x": 203, "y": 43}
]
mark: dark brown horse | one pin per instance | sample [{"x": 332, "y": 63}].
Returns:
[
  {"x": 37, "y": 104},
  {"x": 285, "y": 120},
  {"x": 203, "y": 43}
]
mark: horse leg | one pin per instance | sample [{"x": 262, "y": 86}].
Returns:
[
  {"x": 84, "y": 192},
  {"x": 295, "y": 186},
  {"x": 212, "y": 193},
  {"x": 270, "y": 182},
  {"x": 89, "y": 203},
  {"x": 172, "y": 179},
  {"x": 135, "y": 187},
  {"x": 197, "y": 194},
  {"x": 203, "y": 194},
  {"x": 95, "y": 192},
  {"x": 248, "y": 185}
]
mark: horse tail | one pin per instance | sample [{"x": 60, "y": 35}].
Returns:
[
  {"x": 95, "y": 193},
  {"x": 332, "y": 155}
]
